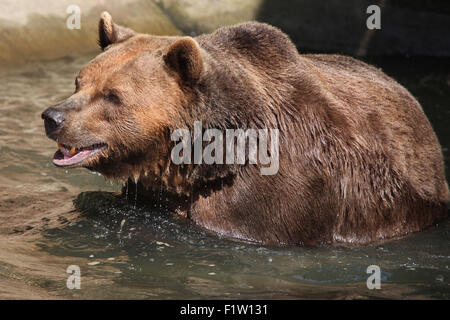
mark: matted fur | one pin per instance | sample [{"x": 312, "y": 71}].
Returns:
[{"x": 359, "y": 161}]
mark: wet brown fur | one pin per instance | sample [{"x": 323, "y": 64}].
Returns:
[{"x": 359, "y": 161}]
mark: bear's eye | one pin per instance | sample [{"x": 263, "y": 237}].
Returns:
[{"x": 112, "y": 97}]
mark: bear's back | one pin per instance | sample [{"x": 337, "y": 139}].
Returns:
[
  {"x": 379, "y": 114},
  {"x": 260, "y": 44}
]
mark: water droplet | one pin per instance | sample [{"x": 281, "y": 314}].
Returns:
[{"x": 121, "y": 225}]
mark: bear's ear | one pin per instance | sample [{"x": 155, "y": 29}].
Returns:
[
  {"x": 109, "y": 32},
  {"x": 185, "y": 58}
]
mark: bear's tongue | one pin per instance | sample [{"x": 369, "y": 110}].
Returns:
[{"x": 65, "y": 157}]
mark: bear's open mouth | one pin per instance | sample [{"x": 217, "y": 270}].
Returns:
[{"x": 71, "y": 156}]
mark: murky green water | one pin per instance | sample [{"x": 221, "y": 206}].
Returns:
[{"x": 52, "y": 218}]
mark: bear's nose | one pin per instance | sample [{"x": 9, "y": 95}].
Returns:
[{"x": 53, "y": 119}]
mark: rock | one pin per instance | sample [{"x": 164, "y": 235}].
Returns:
[
  {"x": 37, "y": 30},
  {"x": 407, "y": 28},
  {"x": 203, "y": 16}
]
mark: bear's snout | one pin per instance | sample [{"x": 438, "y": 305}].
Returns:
[{"x": 53, "y": 119}]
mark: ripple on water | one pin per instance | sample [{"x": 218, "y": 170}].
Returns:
[{"x": 155, "y": 250}]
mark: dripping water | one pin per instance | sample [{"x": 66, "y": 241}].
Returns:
[
  {"x": 160, "y": 195},
  {"x": 135, "y": 193}
]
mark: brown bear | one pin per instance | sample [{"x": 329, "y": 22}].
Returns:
[{"x": 358, "y": 160}]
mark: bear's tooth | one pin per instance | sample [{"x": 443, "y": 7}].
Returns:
[{"x": 72, "y": 151}]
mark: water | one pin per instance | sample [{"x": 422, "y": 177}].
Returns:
[{"x": 52, "y": 218}]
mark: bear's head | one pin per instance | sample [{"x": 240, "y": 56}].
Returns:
[{"x": 126, "y": 102}]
